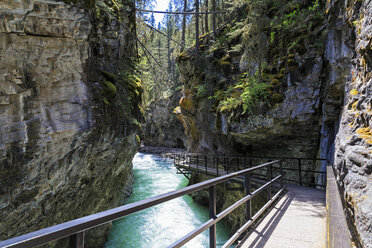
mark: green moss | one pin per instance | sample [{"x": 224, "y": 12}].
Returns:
[
  {"x": 202, "y": 48},
  {"x": 109, "y": 88},
  {"x": 276, "y": 98},
  {"x": 183, "y": 56},
  {"x": 109, "y": 76},
  {"x": 132, "y": 84},
  {"x": 275, "y": 83},
  {"x": 225, "y": 66}
]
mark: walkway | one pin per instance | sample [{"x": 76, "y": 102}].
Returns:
[{"x": 297, "y": 220}]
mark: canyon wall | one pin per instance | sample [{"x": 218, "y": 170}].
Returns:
[
  {"x": 349, "y": 51},
  {"x": 287, "y": 121},
  {"x": 316, "y": 102},
  {"x": 162, "y": 128},
  {"x": 67, "y": 129}
]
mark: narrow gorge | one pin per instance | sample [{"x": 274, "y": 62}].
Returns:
[{"x": 86, "y": 84}]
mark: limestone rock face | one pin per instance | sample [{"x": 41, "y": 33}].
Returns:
[
  {"x": 162, "y": 128},
  {"x": 287, "y": 127},
  {"x": 64, "y": 153},
  {"x": 321, "y": 107},
  {"x": 350, "y": 56}
]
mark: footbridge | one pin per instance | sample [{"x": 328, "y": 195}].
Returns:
[{"x": 292, "y": 215}]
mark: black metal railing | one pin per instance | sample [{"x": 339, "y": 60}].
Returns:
[
  {"x": 75, "y": 229},
  {"x": 299, "y": 170}
]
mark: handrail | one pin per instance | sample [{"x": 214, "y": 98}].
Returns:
[
  {"x": 338, "y": 234},
  {"x": 248, "y": 156},
  {"x": 76, "y": 228},
  {"x": 234, "y": 164}
]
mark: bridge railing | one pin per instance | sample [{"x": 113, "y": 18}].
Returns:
[
  {"x": 298, "y": 170},
  {"x": 75, "y": 229}
]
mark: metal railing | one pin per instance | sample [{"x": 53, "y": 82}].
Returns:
[
  {"x": 338, "y": 231},
  {"x": 75, "y": 228},
  {"x": 225, "y": 164}
]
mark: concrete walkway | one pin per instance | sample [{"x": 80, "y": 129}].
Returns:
[{"x": 298, "y": 220}]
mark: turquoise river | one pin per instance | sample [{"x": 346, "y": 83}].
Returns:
[{"x": 164, "y": 224}]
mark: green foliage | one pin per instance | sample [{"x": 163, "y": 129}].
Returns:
[
  {"x": 138, "y": 139},
  {"x": 128, "y": 87},
  {"x": 201, "y": 91},
  {"x": 245, "y": 93},
  {"x": 272, "y": 37}
]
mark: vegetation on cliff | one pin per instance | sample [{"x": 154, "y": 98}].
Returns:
[{"x": 252, "y": 54}]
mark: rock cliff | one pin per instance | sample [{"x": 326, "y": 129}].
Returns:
[
  {"x": 349, "y": 51},
  {"x": 311, "y": 98},
  {"x": 286, "y": 120},
  {"x": 69, "y": 111},
  {"x": 162, "y": 128}
]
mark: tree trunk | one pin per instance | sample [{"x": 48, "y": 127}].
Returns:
[
  {"x": 197, "y": 28},
  {"x": 169, "y": 57},
  {"x": 202, "y": 24},
  {"x": 214, "y": 19},
  {"x": 159, "y": 46},
  {"x": 206, "y": 17},
  {"x": 184, "y": 25}
]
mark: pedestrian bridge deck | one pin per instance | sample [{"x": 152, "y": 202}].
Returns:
[{"x": 298, "y": 219}]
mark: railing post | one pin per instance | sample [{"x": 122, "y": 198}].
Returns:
[
  {"x": 217, "y": 164},
  {"x": 247, "y": 185},
  {"x": 197, "y": 163},
  {"x": 212, "y": 215},
  {"x": 299, "y": 172},
  {"x": 206, "y": 165},
  {"x": 77, "y": 240},
  {"x": 269, "y": 177},
  {"x": 226, "y": 164},
  {"x": 281, "y": 173}
]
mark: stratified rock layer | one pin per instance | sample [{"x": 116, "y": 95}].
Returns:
[
  {"x": 350, "y": 56},
  {"x": 65, "y": 149}
]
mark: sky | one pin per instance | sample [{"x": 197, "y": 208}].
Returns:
[{"x": 161, "y": 5}]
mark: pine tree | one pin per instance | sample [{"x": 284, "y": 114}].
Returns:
[{"x": 206, "y": 17}]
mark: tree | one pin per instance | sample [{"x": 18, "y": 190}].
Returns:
[
  {"x": 214, "y": 19},
  {"x": 206, "y": 17},
  {"x": 197, "y": 27},
  {"x": 152, "y": 23},
  {"x": 184, "y": 25}
]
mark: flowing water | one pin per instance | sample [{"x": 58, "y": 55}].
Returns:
[{"x": 163, "y": 224}]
